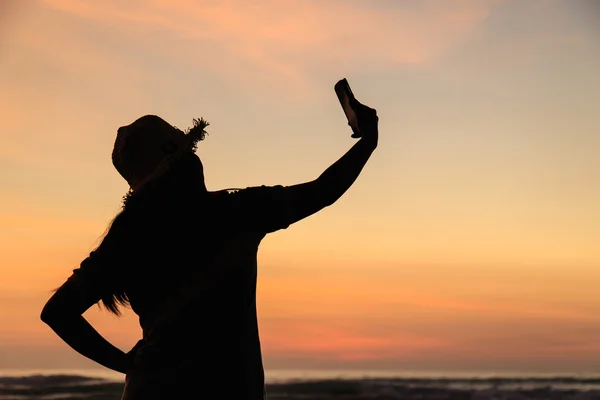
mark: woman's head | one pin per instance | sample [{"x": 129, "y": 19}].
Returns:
[{"x": 148, "y": 143}]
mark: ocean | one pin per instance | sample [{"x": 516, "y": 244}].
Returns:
[{"x": 322, "y": 385}]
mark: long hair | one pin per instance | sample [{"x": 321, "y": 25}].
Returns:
[
  {"x": 178, "y": 185},
  {"x": 116, "y": 230}
]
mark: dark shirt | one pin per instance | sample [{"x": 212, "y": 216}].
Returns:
[{"x": 172, "y": 233}]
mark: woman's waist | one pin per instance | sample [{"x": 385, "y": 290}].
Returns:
[
  {"x": 192, "y": 358},
  {"x": 174, "y": 342}
]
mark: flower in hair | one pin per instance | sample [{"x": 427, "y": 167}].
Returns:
[{"x": 197, "y": 132}]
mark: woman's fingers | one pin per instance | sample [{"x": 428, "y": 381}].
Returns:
[{"x": 360, "y": 108}]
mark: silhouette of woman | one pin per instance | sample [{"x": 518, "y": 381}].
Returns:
[{"x": 173, "y": 231}]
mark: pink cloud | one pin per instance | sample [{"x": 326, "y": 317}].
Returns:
[
  {"x": 289, "y": 39},
  {"x": 332, "y": 294},
  {"x": 334, "y": 341}
]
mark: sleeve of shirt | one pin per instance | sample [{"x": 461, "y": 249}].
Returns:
[
  {"x": 264, "y": 209},
  {"x": 103, "y": 271},
  {"x": 95, "y": 276}
]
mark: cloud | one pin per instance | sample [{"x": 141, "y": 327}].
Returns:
[
  {"x": 292, "y": 39},
  {"x": 332, "y": 295},
  {"x": 337, "y": 339},
  {"x": 54, "y": 84},
  {"x": 330, "y": 316},
  {"x": 9, "y": 9}
]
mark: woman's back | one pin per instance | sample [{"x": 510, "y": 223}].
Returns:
[{"x": 174, "y": 234}]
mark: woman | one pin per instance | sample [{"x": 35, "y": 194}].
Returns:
[{"x": 173, "y": 236}]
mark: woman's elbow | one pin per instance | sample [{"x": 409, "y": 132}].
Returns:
[
  {"x": 66, "y": 302},
  {"x": 55, "y": 310},
  {"x": 49, "y": 313}
]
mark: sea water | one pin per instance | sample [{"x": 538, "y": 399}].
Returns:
[{"x": 315, "y": 384}]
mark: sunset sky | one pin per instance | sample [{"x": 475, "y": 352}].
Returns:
[{"x": 471, "y": 242}]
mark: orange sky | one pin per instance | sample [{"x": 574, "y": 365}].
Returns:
[{"x": 470, "y": 242}]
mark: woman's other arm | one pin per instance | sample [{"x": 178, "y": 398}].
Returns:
[{"x": 64, "y": 314}]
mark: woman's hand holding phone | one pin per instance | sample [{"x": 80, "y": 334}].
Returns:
[
  {"x": 362, "y": 119},
  {"x": 368, "y": 123}
]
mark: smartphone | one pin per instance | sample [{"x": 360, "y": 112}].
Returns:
[{"x": 347, "y": 99}]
